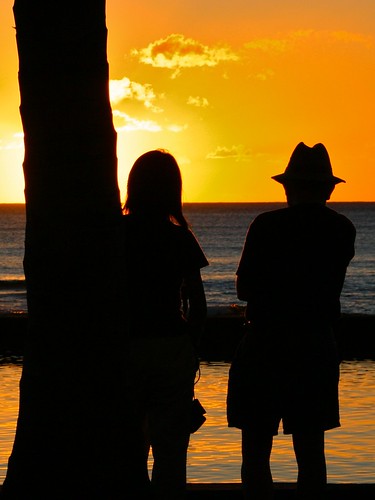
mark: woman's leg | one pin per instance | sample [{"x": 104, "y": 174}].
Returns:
[
  {"x": 256, "y": 471},
  {"x": 170, "y": 433},
  {"x": 169, "y": 416}
]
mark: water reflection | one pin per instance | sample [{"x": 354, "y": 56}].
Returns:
[
  {"x": 9, "y": 379},
  {"x": 214, "y": 453}
]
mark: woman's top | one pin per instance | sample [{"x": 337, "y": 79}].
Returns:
[{"x": 156, "y": 257}]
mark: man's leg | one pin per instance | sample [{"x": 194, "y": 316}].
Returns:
[
  {"x": 312, "y": 471},
  {"x": 256, "y": 470}
]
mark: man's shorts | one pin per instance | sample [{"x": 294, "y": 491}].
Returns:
[{"x": 288, "y": 373}]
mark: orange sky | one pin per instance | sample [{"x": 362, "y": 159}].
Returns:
[{"x": 229, "y": 88}]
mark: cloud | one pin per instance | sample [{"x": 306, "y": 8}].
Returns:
[
  {"x": 120, "y": 90},
  {"x": 280, "y": 45},
  {"x": 237, "y": 153},
  {"x": 184, "y": 161},
  {"x": 15, "y": 143},
  {"x": 199, "y": 102},
  {"x": 177, "y": 52},
  {"x": 176, "y": 128},
  {"x": 344, "y": 36},
  {"x": 332, "y": 36},
  {"x": 264, "y": 75},
  {"x": 130, "y": 124},
  {"x": 127, "y": 123},
  {"x": 268, "y": 45}
]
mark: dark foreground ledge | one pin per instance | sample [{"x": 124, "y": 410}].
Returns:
[
  {"x": 355, "y": 334},
  {"x": 283, "y": 491}
]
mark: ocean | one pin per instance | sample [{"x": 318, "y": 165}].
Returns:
[
  {"x": 221, "y": 229},
  {"x": 214, "y": 454},
  {"x": 214, "y": 451}
]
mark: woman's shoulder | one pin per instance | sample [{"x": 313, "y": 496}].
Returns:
[
  {"x": 190, "y": 246},
  {"x": 182, "y": 232}
]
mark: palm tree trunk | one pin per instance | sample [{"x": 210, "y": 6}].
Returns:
[{"x": 68, "y": 441}]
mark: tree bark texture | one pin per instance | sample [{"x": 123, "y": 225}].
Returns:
[{"x": 69, "y": 441}]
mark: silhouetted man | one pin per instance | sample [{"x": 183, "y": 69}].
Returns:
[{"x": 291, "y": 274}]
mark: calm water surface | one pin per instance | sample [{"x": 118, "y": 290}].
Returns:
[
  {"x": 214, "y": 454},
  {"x": 215, "y": 449},
  {"x": 221, "y": 229}
]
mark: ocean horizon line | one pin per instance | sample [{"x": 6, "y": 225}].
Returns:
[{"x": 9, "y": 204}]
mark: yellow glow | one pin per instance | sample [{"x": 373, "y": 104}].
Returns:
[
  {"x": 229, "y": 90},
  {"x": 214, "y": 450}
]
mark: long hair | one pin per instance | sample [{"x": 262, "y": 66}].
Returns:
[{"x": 155, "y": 187}]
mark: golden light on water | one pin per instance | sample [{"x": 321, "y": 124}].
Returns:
[
  {"x": 214, "y": 452},
  {"x": 9, "y": 393}
]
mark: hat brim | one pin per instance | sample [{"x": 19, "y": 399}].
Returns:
[{"x": 283, "y": 178}]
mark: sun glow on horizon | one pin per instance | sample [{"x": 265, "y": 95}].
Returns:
[{"x": 229, "y": 91}]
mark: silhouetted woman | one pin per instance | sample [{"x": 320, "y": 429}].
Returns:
[{"x": 165, "y": 307}]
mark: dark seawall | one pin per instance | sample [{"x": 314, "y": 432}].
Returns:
[
  {"x": 283, "y": 491},
  {"x": 355, "y": 335}
]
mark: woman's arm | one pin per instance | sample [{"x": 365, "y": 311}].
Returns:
[
  {"x": 194, "y": 303},
  {"x": 242, "y": 289},
  {"x": 194, "y": 298}
]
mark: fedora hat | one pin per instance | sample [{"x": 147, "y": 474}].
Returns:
[{"x": 308, "y": 164}]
